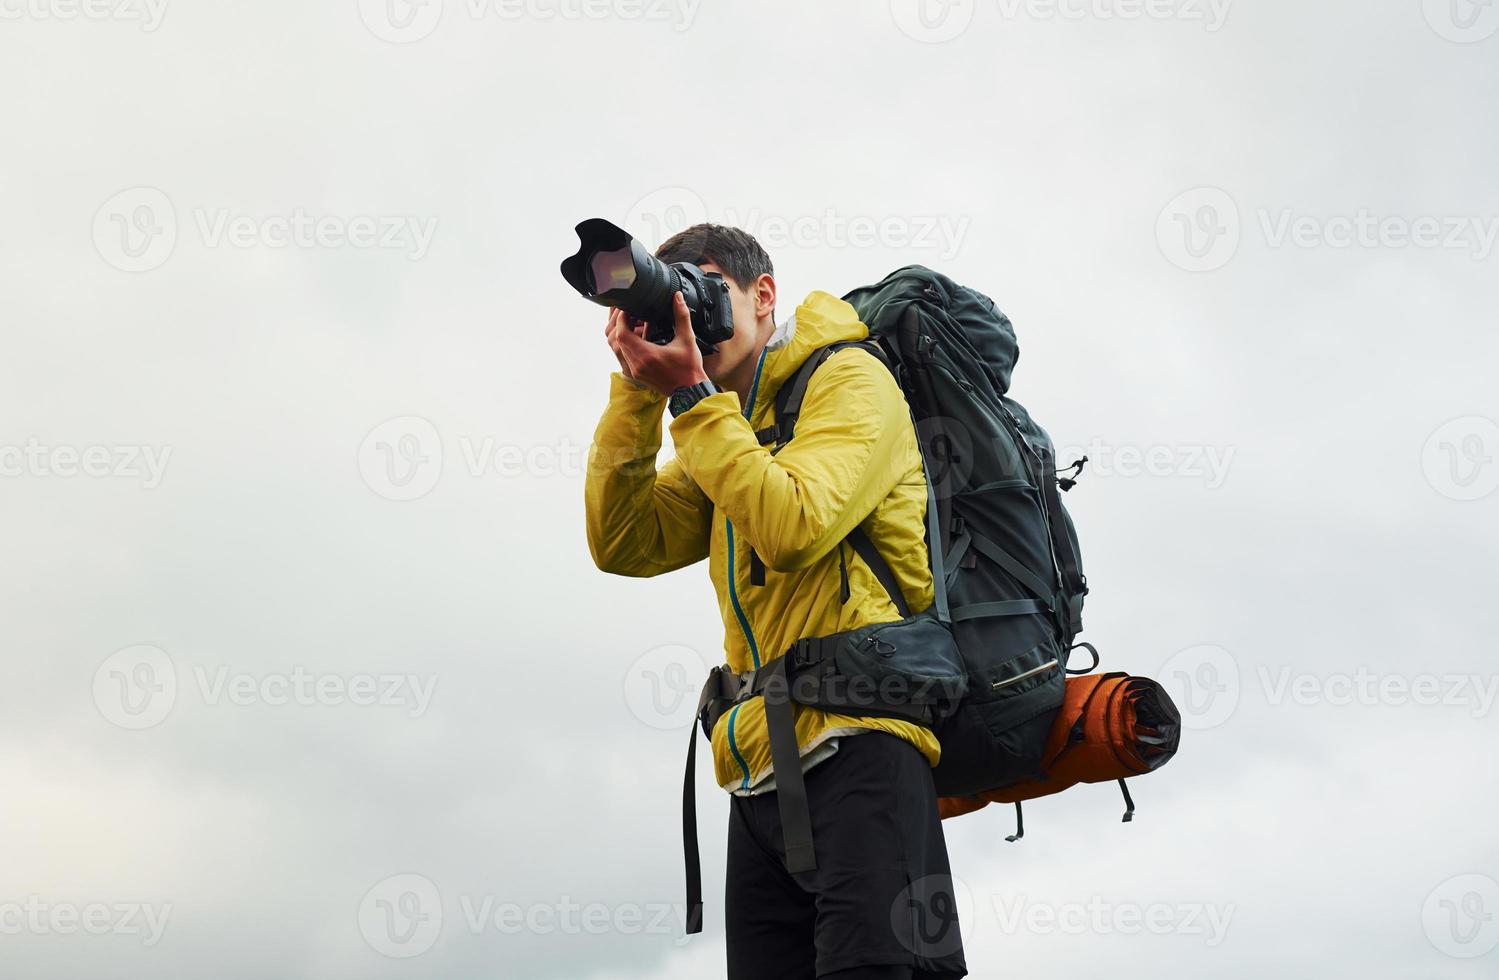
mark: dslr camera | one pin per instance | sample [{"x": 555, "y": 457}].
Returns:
[{"x": 613, "y": 269}]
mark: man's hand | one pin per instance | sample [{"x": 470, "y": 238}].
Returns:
[{"x": 664, "y": 367}]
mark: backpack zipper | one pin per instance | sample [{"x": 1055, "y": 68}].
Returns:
[{"x": 1024, "y": 675}]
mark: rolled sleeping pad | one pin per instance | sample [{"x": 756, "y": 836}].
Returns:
[{"x": 1110, "y": 727}]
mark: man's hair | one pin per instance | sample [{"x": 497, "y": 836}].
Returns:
[{"x": 734, "y": 251}]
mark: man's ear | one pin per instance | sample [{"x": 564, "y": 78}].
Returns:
[{"x": 764, "y": 293}]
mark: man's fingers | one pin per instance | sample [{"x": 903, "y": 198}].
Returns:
[
  {"x": 684, "y": 319},
  {"x": 632, "y": 343},
  {"x": 620, "y": 321}
]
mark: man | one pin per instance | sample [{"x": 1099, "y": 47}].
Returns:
[{"x": 855, "y": 461}]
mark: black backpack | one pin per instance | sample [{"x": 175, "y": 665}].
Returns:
[
  {"x": 1014, "y": 577},
  {"x": 985, "y": 667}
]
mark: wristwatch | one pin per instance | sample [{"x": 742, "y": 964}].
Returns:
[{"x": 689, "y": 395}]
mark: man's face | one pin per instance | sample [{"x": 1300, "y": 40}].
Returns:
[{"x": 746, "y": 342}]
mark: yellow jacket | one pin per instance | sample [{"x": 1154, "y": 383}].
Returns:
[{"x": 854, "y": 460}]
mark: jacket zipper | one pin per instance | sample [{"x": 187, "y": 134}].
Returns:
[{"x": 749, "y": 634}]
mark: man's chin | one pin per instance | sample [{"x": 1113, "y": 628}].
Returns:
[{"x": 712, "y": 365}]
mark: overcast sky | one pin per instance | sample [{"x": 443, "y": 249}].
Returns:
[{"x": 307, "y": 670}]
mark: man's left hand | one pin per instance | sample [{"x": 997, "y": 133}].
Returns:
[{"x": 664, "y": 367}]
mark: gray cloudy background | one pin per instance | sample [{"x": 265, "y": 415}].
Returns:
[{"x": 305, "y": 660}]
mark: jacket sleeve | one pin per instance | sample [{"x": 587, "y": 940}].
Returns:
[
  {"x": 641, "y": 521},
  {"x": 853, "y": 444}
]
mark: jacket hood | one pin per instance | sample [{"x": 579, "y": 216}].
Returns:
[{"x": 820, "y": 320}]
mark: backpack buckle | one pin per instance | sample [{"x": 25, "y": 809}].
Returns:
[{"x": 746, "y": 686}]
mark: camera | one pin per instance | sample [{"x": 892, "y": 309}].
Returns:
[{"x": 613, "y": 269}]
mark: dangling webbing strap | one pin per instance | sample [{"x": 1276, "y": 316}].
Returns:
[
  {"x": 785, "y": 756},
  {"x": 721, "y": 686},
  {"x": 690, "y": 851}
]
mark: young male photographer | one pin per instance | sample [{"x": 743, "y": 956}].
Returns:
[{"x": 855, "y": 461}]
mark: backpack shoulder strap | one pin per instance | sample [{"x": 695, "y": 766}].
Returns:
[
  {"x": 794, "y": 391},
  {"x": 788, "y": 408},
  {"x": 789, "y": 398}
]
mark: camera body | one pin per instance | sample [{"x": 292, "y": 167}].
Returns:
[{"x": 613, "y": 269}]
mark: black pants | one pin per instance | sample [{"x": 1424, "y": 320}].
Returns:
[{"x": 880, "y": 904}]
